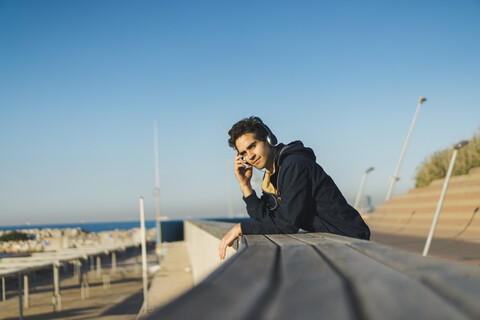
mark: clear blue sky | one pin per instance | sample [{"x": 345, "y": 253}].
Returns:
[{"x": 81, "y": 83}]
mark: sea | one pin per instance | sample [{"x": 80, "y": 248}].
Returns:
[
  {"x": 90, "y": 226},
  {"x": 172, "y": 230}
]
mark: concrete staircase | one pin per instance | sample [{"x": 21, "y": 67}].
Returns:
[{"x": 412, "y": 213}]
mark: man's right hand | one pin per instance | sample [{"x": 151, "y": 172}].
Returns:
[{"x": 244, "y": 175}]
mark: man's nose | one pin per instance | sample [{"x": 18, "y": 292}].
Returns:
[{"x": 251, "y": 155}]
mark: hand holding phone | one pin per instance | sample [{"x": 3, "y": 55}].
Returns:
[
  {"x": 246, "y": 164},
  {"x": 243, "y": 172}
]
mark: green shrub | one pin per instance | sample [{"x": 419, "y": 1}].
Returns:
[
  {"x": 436, "y": 166},
  {"x": 14, "y": 236}
]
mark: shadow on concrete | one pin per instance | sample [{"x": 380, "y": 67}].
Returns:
[
  {"x": 130, "y": 305},
  {"x": 446, "y": 248},
  {"x": 58, "y": 315}
]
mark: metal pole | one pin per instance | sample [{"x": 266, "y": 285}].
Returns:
[
  {"x": 362, "y": 186},
  {"x": 20, "y": 304},
  {"x": 57, "y": 298},
  {"x": 99, "y": 265},
  {"x": 157, "y": 185},
  {"x": 397, "y": 169},
  {"x": 84, "y": 291},
  {"x": 26, "y": 297},
  {"x": 114, "y": 260},
  {"x": 3, "y": 289},
  {"x": 144, "y": 256},
  {"x": 442, "y": 196},
  {"x": 79, "y": 265}
]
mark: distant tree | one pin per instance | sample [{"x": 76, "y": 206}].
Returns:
[
  {"x": 436, "y": 166},
  {"x": 14, "y": 236}
]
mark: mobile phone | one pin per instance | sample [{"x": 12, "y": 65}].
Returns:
[{"x": 246, "y": 164}]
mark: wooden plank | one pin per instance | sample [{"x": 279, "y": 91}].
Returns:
[
  {"x": 457, "y": 282},
  {"x": 383, "y": 292},
  {"x": 314, "y": 275},
  {"x": 237, "y": 290},
  {"x": 259, "y": 241},
  {"x": 309, "y": 287}
]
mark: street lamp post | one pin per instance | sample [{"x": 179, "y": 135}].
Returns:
[
  {"x": 362, "y": 185},
  {"x": 157, "y": 189},
  {"x": 421, "y": 100},
  {"x": 144, "y": 256},
  {"x": 458, "y": 146}
]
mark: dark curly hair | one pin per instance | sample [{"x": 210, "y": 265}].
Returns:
[{"x": 247, "y": 125}]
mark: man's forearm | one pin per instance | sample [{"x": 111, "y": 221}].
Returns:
[
  {"x": 246, "y": 190},
  {"x": 227, "y": 240}
]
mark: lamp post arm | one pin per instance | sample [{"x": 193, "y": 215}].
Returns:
[
  {"x": 440, "y": 204},
  {"x": 362, "y": 186},
  {"x": 360, "y": 191},
  {"x": 457, "y": 147},
  {"x": 397, "y": 169}
]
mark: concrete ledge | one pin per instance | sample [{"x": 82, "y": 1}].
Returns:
[{"x": 202, "y": 239}]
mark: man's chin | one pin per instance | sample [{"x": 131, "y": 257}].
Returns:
[{"x": 258, "y": 166}]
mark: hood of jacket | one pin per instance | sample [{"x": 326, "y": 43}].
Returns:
[{"x": 295, "y": 147}]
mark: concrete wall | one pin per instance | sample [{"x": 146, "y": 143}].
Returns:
[{"x": 202, "y": 239}]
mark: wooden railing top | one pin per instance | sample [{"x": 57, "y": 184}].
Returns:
[{"x": 316, "y": 275}]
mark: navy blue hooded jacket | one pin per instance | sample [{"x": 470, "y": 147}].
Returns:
[{"x": 307, "y": 198}]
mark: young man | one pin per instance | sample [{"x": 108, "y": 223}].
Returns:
[{"x": 297, "y": 193}]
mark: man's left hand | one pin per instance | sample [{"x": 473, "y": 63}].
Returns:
[{"x": 228, "y": 240}]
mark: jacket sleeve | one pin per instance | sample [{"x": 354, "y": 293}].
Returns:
[
  {"x": 256, "y": 207},
  {"x": 296, "y": 203}
]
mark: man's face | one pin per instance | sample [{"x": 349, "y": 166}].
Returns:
[{"x": 254, "y": 151}]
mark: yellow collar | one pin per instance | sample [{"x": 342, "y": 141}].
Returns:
[{"x": 267, "y": 185}]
